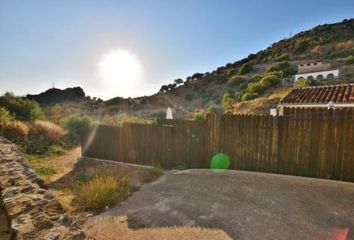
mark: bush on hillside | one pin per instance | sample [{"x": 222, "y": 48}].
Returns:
[
  {"x": 254, "y": 89},
  {"x": 235, "y": 81},
  {"x": 23, "y": 109},
  {"x": 303, "y": 83},
  {"x": 132, "y": 119},
  {"x": 77, "y": 125},
  {"x": 256, "y": 78},
  {"x": 5, "y": 118},
  {"x": 249, "y": 96},
  {"x": 301, "y": 45},
  {"x": 285, "y": 67},
  {"x": 349, "y": 59},
  {"x": 58, "y": 112},
  {"x": 282, "y": 57},
  {"x": 16, "y": 131},
  {"x": 45, "y": 131},
  {"x": 227, "y": 102},
  {"x": 158, "y": 115},
  {"x": 199, "y": 114},
  {"x": 245, "y": 68}
]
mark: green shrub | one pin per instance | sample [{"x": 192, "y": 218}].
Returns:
[
  {"x": 249, "y": 96},
  {"x": 56, "y": 150},
  {"x": 158, "y": 115},
  {"x": 101, "y": 191},
  {"x": 242, "y": 86},
  {"x": 283, "y": 57},
  {"x": 45, "y": 171},
  {"x": 235, "y": 81},
  {"x": 58, "y": 112},
  {"x": 245, "y": 68},
  {"x": 270, "y": 80},
  {"x": 349, "y": 60},
  {"x": 23, "y": 109},
  {"x": 285, "y": 67},
  {"x": 5, "y": 118},
  {"x": 255, "y": 88},
  {"x": 199, "y": 114},
  {"x": 76, "y": 124},
  {"x": 303, "y": 83},
  {"x": 256, "y": 78},
  {"x": 45, "y": 131},
  {"x": 227, "y": 102},
  {"x": 131, "y": 119},
  {"x": 301, "y": 46},
  {"x": 16, "y": 131}
]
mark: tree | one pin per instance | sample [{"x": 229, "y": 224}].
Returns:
[
  {"x": 196, "y": 76},
  {"x": 163, "y": 89},
  {"x": 245, "y": 68},
  {"x": 77, "y": 125},
  {"x": 227, "y": 102},
  {"x": 178, "y": 81},
  {"x": 171, "y": 86},
  {"x": 57, "y": 112}
]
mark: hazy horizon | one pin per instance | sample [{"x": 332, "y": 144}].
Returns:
[{"x": 118, "y": 48}]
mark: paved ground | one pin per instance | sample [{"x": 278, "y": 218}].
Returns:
[{"x": 244, "y": 205}]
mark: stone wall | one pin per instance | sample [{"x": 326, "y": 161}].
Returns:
[{"x": 32, "y": 211}]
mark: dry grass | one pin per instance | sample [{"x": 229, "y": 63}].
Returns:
[
  {"x": 16, "y": 131},
  {"x": 116, "y": 228},
  {"x": 46, "y": 131},
  {"x": 92, "y": 185},
  {"x": 101, "y": 192}
]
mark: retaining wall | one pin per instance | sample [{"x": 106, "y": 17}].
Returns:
[{"x": 32, "y": 211}]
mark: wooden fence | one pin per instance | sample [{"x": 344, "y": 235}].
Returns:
[{"x": 314, "y": 143}]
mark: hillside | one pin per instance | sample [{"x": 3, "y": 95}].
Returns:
[
  {"x": 73, "y": 100},
  {"x": 253, "y": 83},
  {"x": 329, "y": 43}
]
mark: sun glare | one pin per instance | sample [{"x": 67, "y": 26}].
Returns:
[{"x": 120, "y": 68}]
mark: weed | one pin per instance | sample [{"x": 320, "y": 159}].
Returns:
[
  {"x": 101, "y": 191},
  {"x": 45, "y": 171}
]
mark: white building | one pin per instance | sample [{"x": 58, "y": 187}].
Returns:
[{"x": 316, "y": 71}]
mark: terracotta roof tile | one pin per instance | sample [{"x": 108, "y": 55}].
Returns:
[{"x": 321, "y": 94}]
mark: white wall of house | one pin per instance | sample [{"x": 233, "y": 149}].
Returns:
[{"x": 315, "y": 75}]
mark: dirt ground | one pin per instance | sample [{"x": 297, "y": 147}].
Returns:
[
  {"x": 63, "y": 164},
  {"x": 116, "y": 228},
  {"x": 242, "y": 205}
]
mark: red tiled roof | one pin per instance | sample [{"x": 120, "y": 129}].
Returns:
[{"x": 323, "y": 94}]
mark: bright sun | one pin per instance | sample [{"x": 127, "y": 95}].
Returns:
[{"x": 120, "y": 68}]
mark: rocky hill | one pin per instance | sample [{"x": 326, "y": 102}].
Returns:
[
  {"x": 55, "y": 95},
  {"x": 251, "y": 85}
]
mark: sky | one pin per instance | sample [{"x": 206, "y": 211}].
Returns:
[{"x": 130, "y": 48}]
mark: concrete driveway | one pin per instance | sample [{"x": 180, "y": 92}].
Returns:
[{"x": 244, "y": 205}]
